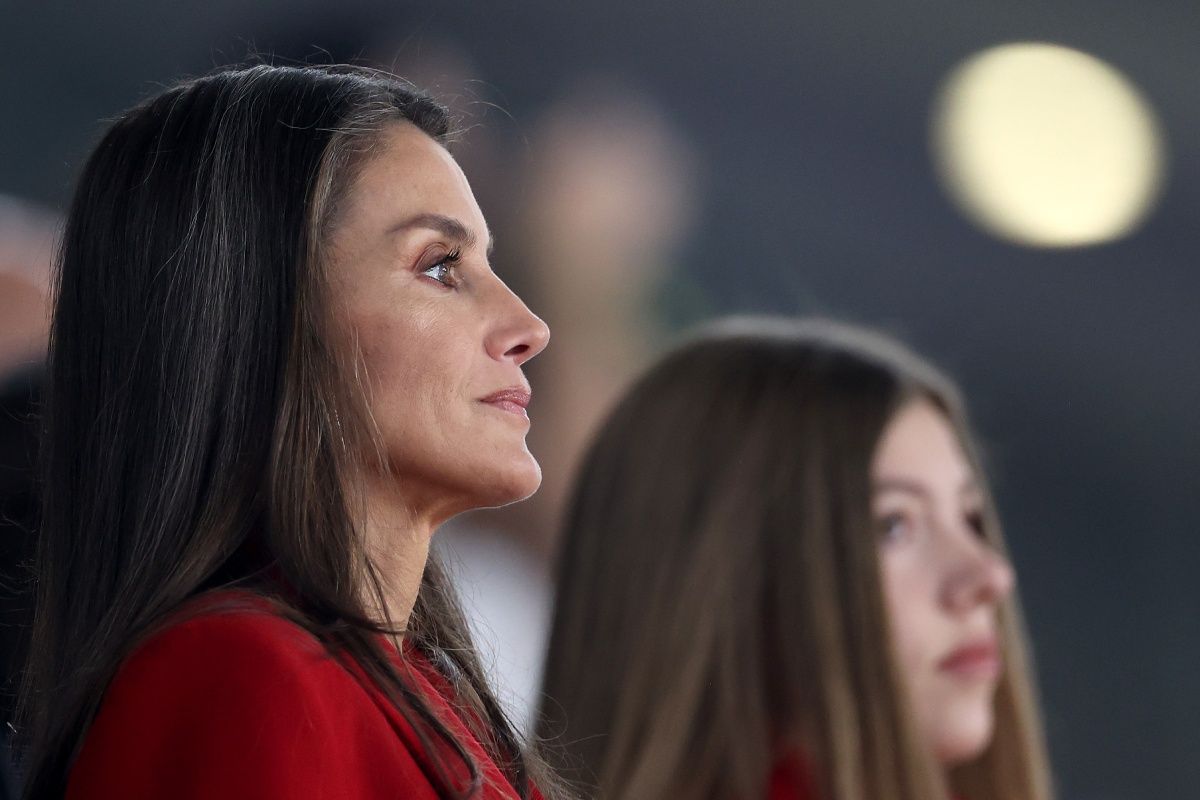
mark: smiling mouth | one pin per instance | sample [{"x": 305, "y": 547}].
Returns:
[{"x": 514, "y": 401}]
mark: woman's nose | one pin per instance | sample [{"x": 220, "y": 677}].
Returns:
[
  {"x": 980, "y": 576},
  {"x": 519, "y": 334}
]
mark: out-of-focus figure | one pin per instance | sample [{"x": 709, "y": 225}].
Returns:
[
  {"x": 28, "y": 236},
  {"x": 782, "y": 576},
  {"x": 27, "y": 240},
  {"x": 604, "y": 203},
  {"x": 609, "y": 202}
]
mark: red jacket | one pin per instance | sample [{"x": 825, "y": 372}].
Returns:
[
  {"x": 790, "y": 780},
  {"x": 245, "y": 704}
]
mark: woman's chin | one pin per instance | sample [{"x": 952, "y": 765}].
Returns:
[
  {"x": 510, "y": 484},
  {"x": 966, "y": 741}
]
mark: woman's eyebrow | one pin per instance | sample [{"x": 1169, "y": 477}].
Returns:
[
  {"x": 447, "y": 226},
  {"x": 969, "y": 486},
  {"x": 899, "y": 485}
]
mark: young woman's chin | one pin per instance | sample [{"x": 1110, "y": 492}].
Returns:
[{"x": 965, "y": 738}]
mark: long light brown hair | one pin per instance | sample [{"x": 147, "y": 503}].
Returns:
[
  {"x": 719, "y": 601},
  {"x": 203, "y": 428}
]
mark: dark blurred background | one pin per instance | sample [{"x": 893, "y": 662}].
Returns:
[{"x": 790, "y": 144}]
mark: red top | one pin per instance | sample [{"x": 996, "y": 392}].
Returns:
[
  {"x": 790, "y": 780},
  {"x": 242, "y": 703}
]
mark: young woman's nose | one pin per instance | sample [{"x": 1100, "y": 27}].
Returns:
[
  {"x": 978, "y": 575},
  {"x": 518, "y": 334}
]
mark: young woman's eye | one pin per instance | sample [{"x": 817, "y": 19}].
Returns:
[
  {"x": 893, "y": 528},
  {"x": 443, "y": 271}
]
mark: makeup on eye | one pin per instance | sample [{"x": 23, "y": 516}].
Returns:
[{"x": 444, "y": 270}]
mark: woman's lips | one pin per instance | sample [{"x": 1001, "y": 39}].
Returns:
[
  {"x": 974, "y": 660},
  {"x": 514, "y": 400}
]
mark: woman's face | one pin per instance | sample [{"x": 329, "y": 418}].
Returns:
[
  {"x": 442, "y": 339},
  {"x": 942, "y": 582}
]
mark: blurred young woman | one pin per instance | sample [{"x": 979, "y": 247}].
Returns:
[
  {"x": 280, "y": 359},
  {"x": 782, "y": 576}
]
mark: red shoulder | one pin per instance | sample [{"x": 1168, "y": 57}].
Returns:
[
  {"x": 233, "y": 700},
  {"x": 230, "y": 639}
]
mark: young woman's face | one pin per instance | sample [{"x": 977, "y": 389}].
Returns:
[
  {"x": 442, "y": 339},
  {"x": 941, "y": 580}
]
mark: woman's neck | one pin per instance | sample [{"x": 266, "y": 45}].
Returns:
[{"x": 397, "y": 541}]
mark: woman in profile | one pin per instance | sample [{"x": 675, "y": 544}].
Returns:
[
  {"x": 782, "y": 577},
  {"x": 279, "y": 360}
]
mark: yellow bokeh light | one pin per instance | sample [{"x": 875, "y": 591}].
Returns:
[{"x": 1047, "y": 146}]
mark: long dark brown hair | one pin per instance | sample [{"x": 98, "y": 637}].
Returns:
[
  {"x": 201, "y": 427},
  {"x": 719, "y": 602}
]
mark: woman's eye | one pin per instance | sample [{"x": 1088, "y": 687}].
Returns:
[
  {"x": 893, "y": 528},
  {"x": 444, "y": 270},
  {"x": 440, "y": 272}
]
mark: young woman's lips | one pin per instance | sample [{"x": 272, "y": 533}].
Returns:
[
  {"x": 975, "y": 660},
  {"x": 514, "y": 400}
]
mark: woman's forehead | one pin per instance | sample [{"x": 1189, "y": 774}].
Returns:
[
  {"x": 920, "y": 444},
  {"x": 410, "y": 174}
]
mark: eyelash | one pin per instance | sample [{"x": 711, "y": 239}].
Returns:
[
  {"x": 448, "y": 262},
  {"x": 886, "y": 525}
]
